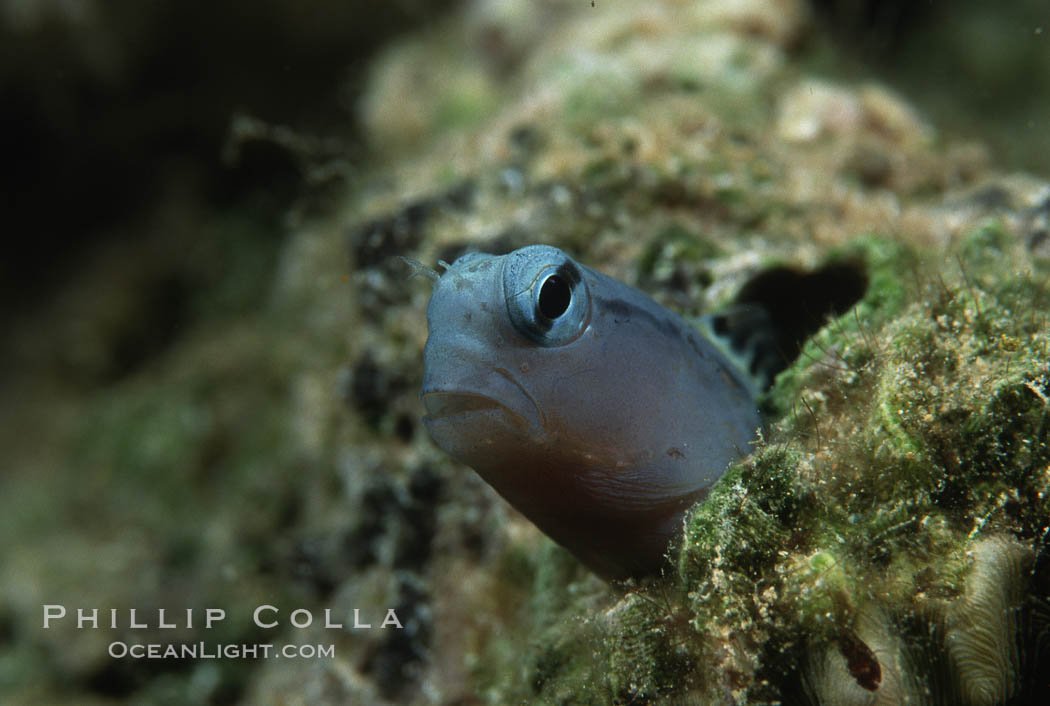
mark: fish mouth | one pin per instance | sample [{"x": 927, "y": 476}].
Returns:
[
  {"x": 486, "y": 399},
  {"x": 442, "y": 404},
  {"x": 505, "y": 402},
  {"x": 448, "y": 409}
]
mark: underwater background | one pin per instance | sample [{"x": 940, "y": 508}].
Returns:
[{"x": 212, "y": 355}]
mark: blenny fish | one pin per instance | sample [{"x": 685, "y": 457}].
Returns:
[{"x": 597, "y": 413}]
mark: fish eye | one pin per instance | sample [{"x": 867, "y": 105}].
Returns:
[
  {"x": 555, "y": 297},
  {"x": 547, "y": 299}
]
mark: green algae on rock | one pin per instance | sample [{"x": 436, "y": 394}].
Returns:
[
  {"x": 887, "y": 450},
  {"x": 865, "y": 524}
]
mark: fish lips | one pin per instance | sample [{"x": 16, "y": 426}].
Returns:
[{"x": 469, "y": 414}]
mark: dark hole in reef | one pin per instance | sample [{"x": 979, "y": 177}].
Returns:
[
  {"x": 115, "y": 679},
  {"x": 720, "y": 325},
  {"x": 369, "y": 387},
  {"x": 360, "y": 545},
  {"x": 755, "y": 367},
  {"x": 125, "y": 679},
  {"x": 394, "y": 661},
  {"x": 309, "y": 564},
  {"x": 7, "y": 628},
  {"x": 413, "y": 546},
  {"x": 873, "y": 28},
  {"x": 527, "y": 140},
  {"x": 798, "y": 302},
  {"x": 156, "y": 322},
  {"x": 404, "y": 427}
]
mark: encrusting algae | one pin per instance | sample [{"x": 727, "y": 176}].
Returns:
[
  {"x": 879, "y": 542},
  {"x": 911, "y": 431}
]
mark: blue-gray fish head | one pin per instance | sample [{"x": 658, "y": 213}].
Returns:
[{"x": 596, "y": 412}]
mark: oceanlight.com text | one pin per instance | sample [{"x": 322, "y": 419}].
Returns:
[{"x": 203, "y": 650}]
